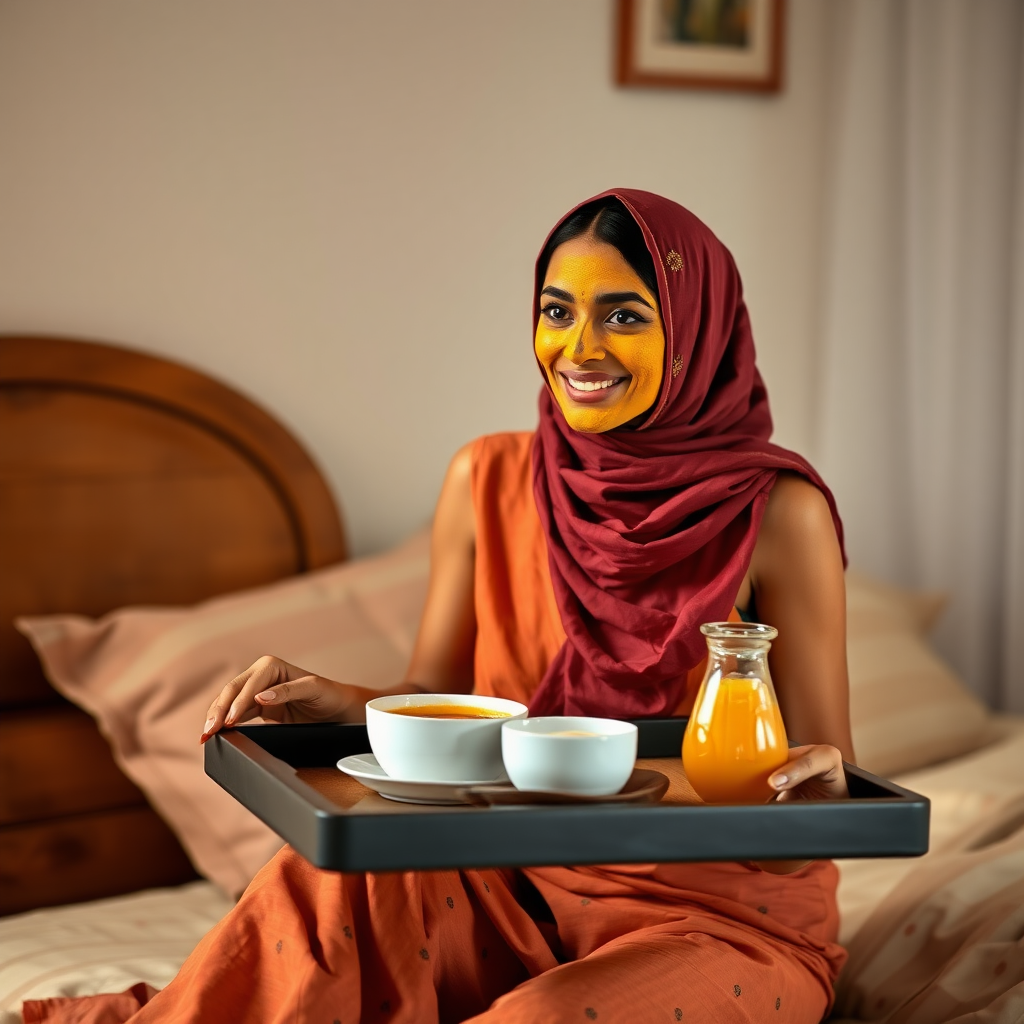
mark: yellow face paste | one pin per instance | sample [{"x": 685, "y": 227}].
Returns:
[{"x": 599, "y": 337}]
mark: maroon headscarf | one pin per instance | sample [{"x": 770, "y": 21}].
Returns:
[{"x": 650, "y": 530}]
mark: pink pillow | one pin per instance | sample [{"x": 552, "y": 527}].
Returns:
[{"x": 148, "y": 675}]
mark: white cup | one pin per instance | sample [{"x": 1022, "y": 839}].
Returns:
[
  {"x": 569, "y": 754},
  {"x": 418, "y": 749}
]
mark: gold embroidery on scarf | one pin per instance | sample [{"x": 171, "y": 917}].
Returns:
[
  {"x": 673, "y": 260},
  {"x": 677, "y": 366}
]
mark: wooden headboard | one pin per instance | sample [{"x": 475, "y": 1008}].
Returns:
[{"x": 124, "y": 479}]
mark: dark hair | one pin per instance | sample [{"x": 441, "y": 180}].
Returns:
[{"x": 611, "y": 222}]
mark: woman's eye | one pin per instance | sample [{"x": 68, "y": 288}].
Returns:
[
  {"x": 624, "y": 317},
  {"x": 556, "y": 312}
]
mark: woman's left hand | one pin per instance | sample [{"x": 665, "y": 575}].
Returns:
[{"x": 813, "y": 772}]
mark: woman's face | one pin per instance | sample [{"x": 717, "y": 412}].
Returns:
[{"x": 599, "y": 336}]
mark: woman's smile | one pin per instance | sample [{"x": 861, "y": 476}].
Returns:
[{"x": 590, "y": 386}]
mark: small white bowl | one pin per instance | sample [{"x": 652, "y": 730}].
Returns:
[
  {"x": 418, "y": 749},
  {"x": 540, "y": 756}
]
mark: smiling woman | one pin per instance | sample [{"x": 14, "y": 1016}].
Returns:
[{"x": 571, "y": 569}]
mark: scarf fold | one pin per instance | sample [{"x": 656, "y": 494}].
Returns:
[{"x": 650, "y": 530}]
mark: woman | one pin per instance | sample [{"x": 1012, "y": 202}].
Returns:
[{"x": 572, "y": 568}]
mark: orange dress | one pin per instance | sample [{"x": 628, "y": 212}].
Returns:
[{"x": 637, "y": 943}]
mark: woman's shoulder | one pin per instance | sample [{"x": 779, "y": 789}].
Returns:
[
  {"x": 498, "y": 458},
  {"x": 507, "y": 444},
  {"x": 797, "y": 522},
  {"x": 509, "y": 450},
  {"x": 794, "y": 502}
]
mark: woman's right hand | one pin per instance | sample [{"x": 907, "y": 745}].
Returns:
[{"x": 279, "y": 692}]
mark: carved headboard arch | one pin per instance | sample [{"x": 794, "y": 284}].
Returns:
[{"x": 130, "y": 479}]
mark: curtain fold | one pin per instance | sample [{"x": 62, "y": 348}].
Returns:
[{"x": 921, "y": 414}]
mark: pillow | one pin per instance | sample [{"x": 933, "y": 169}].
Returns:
[
  {"x": 945, "y": 943},
  {"x": 907, "y": 708},
  {"x": 148, "y": 675}
]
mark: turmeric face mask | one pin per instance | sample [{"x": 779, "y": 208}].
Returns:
[{"x": 599, "y": 336}]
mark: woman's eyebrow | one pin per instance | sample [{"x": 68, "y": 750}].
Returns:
[
  {"x": 607, "y": 299},
  {"x": 610, "y": 298},
  {"x": 557, "y": 293}
]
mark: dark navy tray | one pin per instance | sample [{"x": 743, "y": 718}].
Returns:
[{"x": 286, "y": 775}]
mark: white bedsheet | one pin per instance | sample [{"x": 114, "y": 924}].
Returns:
[
  {"x": 103, "y": 946},
  {"x": 108, "y": 945}
]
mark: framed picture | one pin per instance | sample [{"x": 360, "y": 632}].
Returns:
[{"x": 701, "y": 44}]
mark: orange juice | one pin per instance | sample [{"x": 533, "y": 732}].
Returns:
[{"x": 734, "y": 740}]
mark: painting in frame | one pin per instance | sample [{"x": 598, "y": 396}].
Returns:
[{"x": 701, "y": 44}]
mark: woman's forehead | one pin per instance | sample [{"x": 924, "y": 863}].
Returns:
[{"x": 586, "y": 267}]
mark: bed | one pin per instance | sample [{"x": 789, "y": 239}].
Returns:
[{"x": 160, "y": 531}]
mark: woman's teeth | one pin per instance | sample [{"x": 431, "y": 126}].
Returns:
[{"x": 592, "y": 385}]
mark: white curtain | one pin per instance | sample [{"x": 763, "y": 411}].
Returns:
[{"x": 921, "y": 417}]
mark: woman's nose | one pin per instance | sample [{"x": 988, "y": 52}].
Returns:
[{"x": 583, "y": 345}]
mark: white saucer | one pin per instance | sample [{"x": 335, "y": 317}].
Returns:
[{"x": 365, "y": 768}]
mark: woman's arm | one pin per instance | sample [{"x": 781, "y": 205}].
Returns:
[
  {"x": 796, "y": 573},
  {"x": 799, "y": 588},
  {"x": 443, "y": 657}
]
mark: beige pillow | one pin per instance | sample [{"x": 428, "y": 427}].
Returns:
[
  {"x": 148, "y": 675},
  {"x": 945, "y": 944},
  {"x": 907, "y": 707}
]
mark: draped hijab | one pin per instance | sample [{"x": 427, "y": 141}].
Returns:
[{"x": 650, "y": 530}]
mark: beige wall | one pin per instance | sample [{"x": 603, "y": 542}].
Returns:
[{"x": 335, "y": 205}]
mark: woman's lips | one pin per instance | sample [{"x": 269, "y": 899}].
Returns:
[{"x": 588, "y": 386}]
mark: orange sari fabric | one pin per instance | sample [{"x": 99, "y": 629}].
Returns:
[{"x": 631, "y": 944}]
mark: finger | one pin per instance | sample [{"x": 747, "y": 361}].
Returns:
[
  {"x": 245, "y": 716},
  {"x": 282, "y": 693},
  {"x": 266, "y": 673},
  {"x": 807, "y": 763},
  {"x": 217, "y": 712},
  {"x": 780, "y": 779},
  {"x": 233, "y": 697}
]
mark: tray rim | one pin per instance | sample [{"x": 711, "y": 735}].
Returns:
[{"x": 425, "y": 837}]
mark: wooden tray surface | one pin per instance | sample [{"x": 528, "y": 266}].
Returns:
[{"x": 349, "y": 794}]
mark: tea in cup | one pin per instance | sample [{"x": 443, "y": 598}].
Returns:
[{"x": 440, "y": 737}]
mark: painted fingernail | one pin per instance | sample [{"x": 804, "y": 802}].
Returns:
[
  {"x": 266, "y": 695},
  {"x": 229, "y": 718},
  {"x": 209, "y": 726},
  {"x": 779, "y": 780}
]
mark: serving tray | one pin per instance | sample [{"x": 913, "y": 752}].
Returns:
[{"x": 286, "y": 775}]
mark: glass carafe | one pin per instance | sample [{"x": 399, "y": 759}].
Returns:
[{"x": 735, "y": 738}]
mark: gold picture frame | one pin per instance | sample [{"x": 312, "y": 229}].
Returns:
[{"x": 701, "y": 44}]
